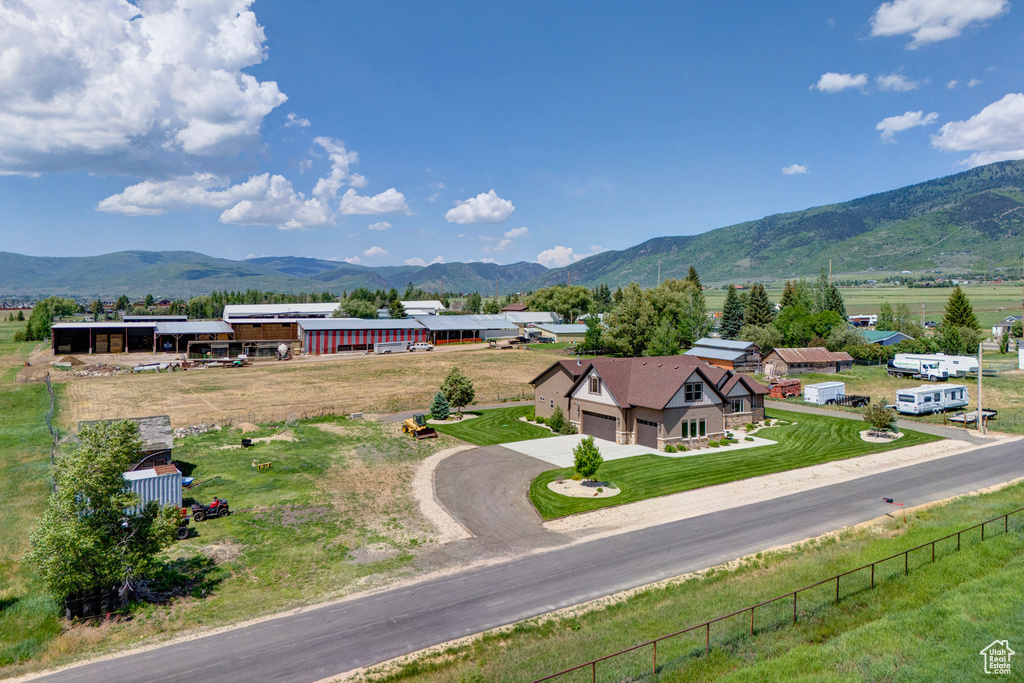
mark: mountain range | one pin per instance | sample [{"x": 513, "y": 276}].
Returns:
[{"x": 968, "y": 222}]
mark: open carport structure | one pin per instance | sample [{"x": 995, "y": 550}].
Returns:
[
  {"x": 332, "y": 335},
  {"x": 451, "y": 329},
  {"x": 102, "y": 337},
  {"x": 173, "y": 337}
]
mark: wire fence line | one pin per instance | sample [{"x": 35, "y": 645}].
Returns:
[
  {"x": 696, "y": 640},
  {"x": 54, "y": 432}
]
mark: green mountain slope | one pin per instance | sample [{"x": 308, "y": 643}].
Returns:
[{"x": 968, "y": 221}]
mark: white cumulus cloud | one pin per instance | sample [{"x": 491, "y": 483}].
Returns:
[
  {"x": 417, "y": 261},
  {"x": 794, "y": 169},
  {"x": 952, "y": 84},
  {"x": 381, "y": 225},
  {"x": 373, "y": 252},
  {"x": 294, "y": 119},
  {"x": 835, "y": 82},
  {"x": 111, "y": 86},
  {"x": 929, "y": 21},
  {"x": 559, "y": 256},
  {"x": 896, "y": 83},
  {"x": 996, "y": 133},
  {"x": 354, "y": 260},
  {"x": 973, "y": 82},
  {"x": 486, "y": 207},
  {"x": 911, "y": 119},
  {"x": 262, "y": 199},
  {"x": 388, "y": 201}
]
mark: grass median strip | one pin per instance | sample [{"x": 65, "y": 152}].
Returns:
[
  {"x": 501, "y": 425},
  {"x": 812, "y": 440}
]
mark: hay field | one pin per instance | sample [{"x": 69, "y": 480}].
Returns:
[{"x": 277, "y": 391}]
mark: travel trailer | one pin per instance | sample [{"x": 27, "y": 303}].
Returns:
[{"x": 925, "y": 399}]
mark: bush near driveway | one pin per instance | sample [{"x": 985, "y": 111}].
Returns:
[{"x": 813, "y": 440}]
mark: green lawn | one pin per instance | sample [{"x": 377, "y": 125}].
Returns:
[
  {"x": 811, "y": 441},
  {"x": 926, "y": 627},
  {"x": 501, "y": 425}
]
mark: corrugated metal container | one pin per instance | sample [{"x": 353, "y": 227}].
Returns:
[{"x": 163, "y": 486}]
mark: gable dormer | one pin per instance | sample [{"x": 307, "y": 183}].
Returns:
[{"x": 593, "y": 388}]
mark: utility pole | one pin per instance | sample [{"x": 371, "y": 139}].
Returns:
[
  {"x": 922, "y": 315},
  {"x": 981, "y": 421},
  {"x": 830, "y": 270}
]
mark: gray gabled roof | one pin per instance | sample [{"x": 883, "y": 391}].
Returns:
[
  {"x": 732, "y": 344},
  {"x": 194, "y": 327},
  {"x": 437, "y": 323},
  {"x": 716, "y": 354}
]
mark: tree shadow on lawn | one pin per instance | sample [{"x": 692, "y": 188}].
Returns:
[{"x": 197, "y": 576}]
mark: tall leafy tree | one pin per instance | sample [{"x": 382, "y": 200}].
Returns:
[
  {"x": 959, "y": 312},
  {"x": 631, "y": 322},
  {"x": 474, "y": 303},
  {"x": 458, "y": 389},
  {"x": 43, "y": 313},
  {"x": 760, "y": 311},
  {"x": 732, "y": 314},
  {"x": 88, "y": 538},
  {"x": 595, "y": 331},
  {"x": 664, "y": 341},
  {"x": 886, "y": 318},
  {"x": 587, "y": 458}
]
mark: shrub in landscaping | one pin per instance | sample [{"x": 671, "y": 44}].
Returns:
[
  {"x": 748, "y": 438},
  {"x": 670, "y": 448},
  {"x": 439, "y": 409},
  {"x": 557, "y": 420},
  {"x": 750, "y": 427},
  {"x": 680, "y": 448},
  {"x": 587, "y": 458},
  {"x": 713, "y": 443},
  {"x": 767, "y": 422},
  {"x": 600, "y": 490},
  {"x": 567, "y": 429},
  {"x": 540, "y": 420},
  {"x": 882, "y": 419}
]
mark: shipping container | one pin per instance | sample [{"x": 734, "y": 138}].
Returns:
[{"x": 162, "y": 484}]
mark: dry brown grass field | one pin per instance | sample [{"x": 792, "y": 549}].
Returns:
[{"x": 276, "y": 391}]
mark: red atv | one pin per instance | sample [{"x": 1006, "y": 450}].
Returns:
[{"x": 218, "y": 508}]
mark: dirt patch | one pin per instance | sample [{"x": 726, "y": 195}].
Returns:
[
  {"x": 247, "y": 427},
  {"x": 273, "y": 392},
  {"x": 583, "y": 489},
  {"x": 374, "y": 552},
  {"x": 292, "y": 515},
  {"x": 222, "y": 552},
  {"x": 465, "y": 416}
]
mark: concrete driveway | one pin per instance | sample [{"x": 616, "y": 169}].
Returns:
[{"x": 558, "y": 449}]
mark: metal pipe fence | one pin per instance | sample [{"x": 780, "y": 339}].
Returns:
[{"x": 866, "y": 576}]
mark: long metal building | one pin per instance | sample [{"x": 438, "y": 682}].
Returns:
[{"x": 332, "y": 335}]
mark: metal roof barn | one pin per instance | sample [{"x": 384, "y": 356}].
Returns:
[
  {"x": 323, "y": 310},
  {"x": 162, "y": 484},
  {"x": 333, "y": 335},
  {"x": 449, "y": 329}
]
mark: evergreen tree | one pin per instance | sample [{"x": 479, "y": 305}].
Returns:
[
  {"x": 732, "y": 314},
  {"x": 760, "y": 311},
  {"x": 396, "y": 310},
  {"x": 439, "y": 409},
  {"x": 788, "y": 296},
  {"x": 834, "y": 301},
  {"x": 664, "y": 341},
  {"x": 692, "y": 277},
  {"x": 959, "y": 312},
  {"x": 557, "y": 419},
  {"x": 587, "y": 458},
  {"x": 149, "y": 300}
]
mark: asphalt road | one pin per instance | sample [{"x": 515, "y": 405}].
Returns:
[{"x": 336, "y": 638}]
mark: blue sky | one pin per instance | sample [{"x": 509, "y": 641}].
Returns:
[{"x": 397, "y": 132}]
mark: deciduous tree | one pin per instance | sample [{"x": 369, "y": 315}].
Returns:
[
  {"x": 458, "y": 389},
  {"x": 89, "y": 538},
  {"x": 631, "y": 323}
]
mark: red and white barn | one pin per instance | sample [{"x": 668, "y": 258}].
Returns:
[{"x": 332, "y": 335}]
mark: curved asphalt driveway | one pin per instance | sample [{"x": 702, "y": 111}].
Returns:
[{"x": 335, "y": 638}]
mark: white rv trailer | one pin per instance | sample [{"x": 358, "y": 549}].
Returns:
[
  {"x": 391, "y": 347},
  {"x": 925, "y": 399},
  {"x": 932, "y": 365}
]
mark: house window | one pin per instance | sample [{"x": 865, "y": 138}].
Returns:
[
  {"x": 737, "y": 405},
  {"x": 694, "y": 428},
  {"x": 693, "y": 391},
  {"x": 552, "y": 403},
  {"x": 595, "y": 385}
]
